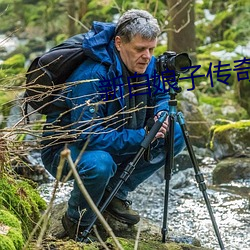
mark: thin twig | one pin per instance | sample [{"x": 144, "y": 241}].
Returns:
[
  {"x": 77, "y": 21},
  {"x": 66, "y": 154},
  {"x": 45, "y": 217},
  {"x": 99, "y": 238},
  {"x": 137, "y": 236}
]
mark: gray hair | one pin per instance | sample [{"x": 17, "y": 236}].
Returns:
[{"x": 137, "y": 22}]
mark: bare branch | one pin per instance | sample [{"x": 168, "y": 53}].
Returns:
[
  {"x": 66, "y": 154},
  {"x": 77, "y": 21}
]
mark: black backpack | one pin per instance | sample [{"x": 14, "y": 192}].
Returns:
[{"x": 47, "y": 74}]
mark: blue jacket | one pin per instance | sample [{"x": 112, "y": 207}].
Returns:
[{"x": 89, "y": 117}]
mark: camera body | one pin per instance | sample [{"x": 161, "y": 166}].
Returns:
[{"x": 170, "y": 61}]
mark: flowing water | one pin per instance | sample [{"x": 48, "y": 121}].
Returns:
[{"x": 187, "y": 212}]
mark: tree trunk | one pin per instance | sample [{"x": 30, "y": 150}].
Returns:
[
  {"x": 72, "y": 13},
  {"x": 181, "y": 34},
  {"x": 83, "y": 7}
]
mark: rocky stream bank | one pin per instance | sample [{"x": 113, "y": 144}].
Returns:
[{"x": 188, "y": 218}]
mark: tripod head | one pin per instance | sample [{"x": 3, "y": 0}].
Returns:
[{"x": 170, "y": 65}]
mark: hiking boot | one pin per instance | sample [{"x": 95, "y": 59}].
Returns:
[
  {"x": 121, "y": 211},
  {"x": 75, "y": 231}
]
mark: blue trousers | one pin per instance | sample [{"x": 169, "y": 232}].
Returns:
[{"x": 100, "y": 170}]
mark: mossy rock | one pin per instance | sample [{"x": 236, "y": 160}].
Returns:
[
  {"x": 11, "y": 237},
  {"x": 231, "y": 169},
  {"x": 222, "y": 106},
  {"x": 232, "y": 139},
  {"x": 128, "y": 244},
  {"x": 21, "y": 199},
  {"x": 150, "y": 236},
  {"x": 197, "y": 125}
]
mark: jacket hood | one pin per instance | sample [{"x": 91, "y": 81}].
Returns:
[{"x": 98, "y": 42}]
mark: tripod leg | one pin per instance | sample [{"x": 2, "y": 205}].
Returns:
[
  {"x": 199, "y": 176},
  {"x": 168, "y": 173},
  {"x": 129, "y": 169}
]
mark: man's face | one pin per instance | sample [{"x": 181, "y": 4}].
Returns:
[{"x": 137, "y": 53}]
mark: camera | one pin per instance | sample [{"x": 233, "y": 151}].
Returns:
[{"x": 171, "y": 61}]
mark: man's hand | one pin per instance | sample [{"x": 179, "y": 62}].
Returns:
[{"x": 164, "y": 128}]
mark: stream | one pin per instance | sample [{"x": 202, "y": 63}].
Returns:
[{"x": 187, "y": 212}]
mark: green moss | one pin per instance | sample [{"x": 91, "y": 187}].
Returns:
[
  {"x": 6, "y": 243},
  {"x": 91, "y": 247},
  {"x": 212, "y": 100},
  {"x": 9, "y": 219},
  {"x": 235, "y": 125},
  {"x": 13, "y": 239},
  {"x": 16, "y": 237},
  {"x": 128, "y": 244},
  {"x": 219, "y": 104},
  {"x": 22, "y": 200}
]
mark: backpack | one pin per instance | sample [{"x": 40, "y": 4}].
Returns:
[{"x": 47, "y": 73}]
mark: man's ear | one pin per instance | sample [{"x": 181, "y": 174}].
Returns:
[{"x": 118, "y": 42}]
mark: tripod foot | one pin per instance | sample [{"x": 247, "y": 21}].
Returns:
[{"x": 164, "y": 232}]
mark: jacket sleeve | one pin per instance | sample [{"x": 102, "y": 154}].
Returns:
[{"x": 88, "y": 115}]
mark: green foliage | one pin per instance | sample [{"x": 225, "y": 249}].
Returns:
[
  {"x": 221, "y": 23},
  {"x": 229, "y": 22},
  {"x": 108, "y": 10},
  {"x": 5, "y": 97},
  {"x": 212, "y": 100},
  {"x": 217, "y": 34},
  {"x": 16, "y": 61},
  {"x": 160, "y": 50},
  {"x": 13, "y": 66},
  {"x": 60, "y": 38},
  {"x": 22, "y": 200}
]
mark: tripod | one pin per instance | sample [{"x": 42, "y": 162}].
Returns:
[
  {"x": 168, "y": 166},
  {"x": 129, "y": 169},
  {"x": 170, "y": 162}
]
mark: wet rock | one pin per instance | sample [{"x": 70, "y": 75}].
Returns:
[
  {"x": 231, "y": 169},
  {"x": 181, "y": 179},
  {"x": 31, "y": 167},
  {"x": 197, "y": 125},
  {"x": 232, "y": 139}
]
